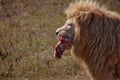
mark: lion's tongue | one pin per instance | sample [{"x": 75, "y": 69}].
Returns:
[{"x": 63, "y": 43}]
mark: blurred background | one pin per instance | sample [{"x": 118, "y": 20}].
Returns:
[{"x": 27, "y": 40}]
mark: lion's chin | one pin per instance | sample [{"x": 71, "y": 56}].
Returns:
[{"x": 63, "y": 44}]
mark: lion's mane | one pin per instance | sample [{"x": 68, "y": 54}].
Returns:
[{"x": 97, "y": 39}]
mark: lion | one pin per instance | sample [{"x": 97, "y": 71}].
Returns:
[{"x": 92, "y": 32}]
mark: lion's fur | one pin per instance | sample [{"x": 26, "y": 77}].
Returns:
[{"x": 97, "y": 39}]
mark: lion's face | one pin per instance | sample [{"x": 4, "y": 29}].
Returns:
[
  {"x": 67, "y": 31},
  {"x": 65, "y": 35}
]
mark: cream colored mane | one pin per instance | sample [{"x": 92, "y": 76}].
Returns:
[{"x": 76, "y": 8}]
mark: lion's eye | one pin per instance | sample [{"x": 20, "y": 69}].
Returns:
[{"x": 68, "y": 27}]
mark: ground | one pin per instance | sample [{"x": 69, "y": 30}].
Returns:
[{"x": 27, "y": 39}]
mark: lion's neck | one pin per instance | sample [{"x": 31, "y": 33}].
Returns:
[{"x": 93, "y": 57}]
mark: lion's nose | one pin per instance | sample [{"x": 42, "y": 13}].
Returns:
[{"x": 57, "y": 32}]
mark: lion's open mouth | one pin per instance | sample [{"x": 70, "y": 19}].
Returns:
[{"x": 63, "y": 43}]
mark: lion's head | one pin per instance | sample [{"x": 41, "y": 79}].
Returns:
[
  {"x": 78, "y": 16},
  {"x": 86, "y": 23}
]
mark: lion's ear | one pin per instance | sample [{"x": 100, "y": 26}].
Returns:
[{"x": 84, "y": 17}]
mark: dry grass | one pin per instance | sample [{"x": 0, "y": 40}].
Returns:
[{"x": 27, "y": 41}]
